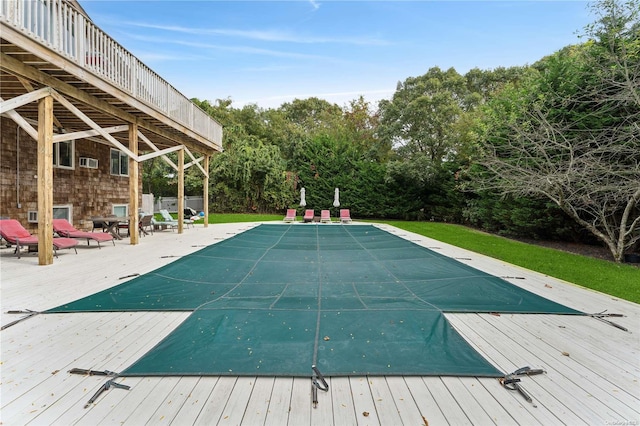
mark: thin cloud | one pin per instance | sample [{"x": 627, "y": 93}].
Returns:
[
  {"x": 263, "y": 35},
  {"x": 230, "y": 48}
]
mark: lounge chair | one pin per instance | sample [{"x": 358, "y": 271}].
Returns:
[
  {"x": 163, "y": 224},
  {"x": 144, "y": 224},
  {"x": 308, "y": 215},
  {"x": 325, "y": 216},
  {"x": 12, "y": 231},
  {"x": 291, "y": 216},
  {"x": 166, "y": 217},
  {"x": 345, "y": 216},
  {"x": 63, "y": 228}
]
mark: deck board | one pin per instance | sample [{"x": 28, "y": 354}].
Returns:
[
  {"x": 258, "y": 404},
  {"x": 174, "y": 401},
  {"x": 430, "y": 412},
  {"x": 385, "y": 405},
  {"x": 216, "y": 403},
  {"x": 238, "y": 401},
  {"x": 342, "y": 401},
  {"x": 300, "y": 408},
  {"x": 597, "y": 383},
  {"x": 407, "y": 408},
  {"x": 280, "y": 402},
  {"x": 446, "y": 401},
  {"x": 363, "y": 402},
  {"x": 485, "y": 399},
  {"x": 195, "y": 401}
]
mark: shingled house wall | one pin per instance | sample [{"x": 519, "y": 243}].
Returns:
[{"x": 90, "y": 192}]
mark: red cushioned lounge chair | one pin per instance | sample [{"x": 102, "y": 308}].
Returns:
[
  {"x": 291, "y": 216},
  {"x": 345, "y": 216},
  {"x": 12, "y": 231},
  {"x": 308, "y": 215},
  {"x": 325, "y": 216},
  {"x": 63, "y": 228}
]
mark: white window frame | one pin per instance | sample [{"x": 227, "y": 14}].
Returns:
[
  {"x": 122, "y": 159},
  {"x": 56, "y": 155},
  {"x": 60, "y": 212},
  {"x": 115, "y": 207}
]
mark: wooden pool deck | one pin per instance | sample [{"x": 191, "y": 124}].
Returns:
[{"x": 592, "y": 369}]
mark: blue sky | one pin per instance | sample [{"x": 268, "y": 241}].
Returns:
[{"x": 270, "y": 52}]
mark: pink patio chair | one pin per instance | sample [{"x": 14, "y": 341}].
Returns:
[
  {"x": 325, "y": 216},
  {"x": 12, "y": 231},
  {"x": 345, "y": 216},
  {"x": 63, "y": 228},
  {"x": 290, "y": 216},
  {"x": 308, "y": 215}
]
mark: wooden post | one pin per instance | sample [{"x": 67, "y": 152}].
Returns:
[
  {"x": 134, "y": 172},
  {"x": 180, "y": 191},
  {"x": 205, "y": 191},
  {"x": 45, "y": 181}
]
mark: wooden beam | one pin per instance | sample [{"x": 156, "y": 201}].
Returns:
[
  {"x": 27, "y": 85},
  {"x": 159, "y": 153},
  {"x": 205, "y": 191},
  {"x": 134, "y": 173},
  {"x": 27, "y": 98},
  {"x": 24, "y": 124},
  {"x": 88, "y": 133},
  {"x": 18, "y": 68},
  {"x": 45, "y": 181},
  {"x": 195, "y": 161},
  {"x": 156, "y": 149},
  {"x": 180, "y": 191},
  {"x": 89, "y": 122}
]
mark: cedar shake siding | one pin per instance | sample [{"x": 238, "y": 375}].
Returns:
[{"x": 90, "y": 192}]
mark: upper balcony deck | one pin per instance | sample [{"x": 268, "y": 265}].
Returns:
[{"x": 52, "y": 43}]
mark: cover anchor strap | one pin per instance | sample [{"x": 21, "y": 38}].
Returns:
[
  {"x": 602, "y": 315},
  {"x": 512, "y": 381},
  {"x": 29, "y": 313},
  {"x": 105, "y": 387},
  {"x": 322, "y": 385}
]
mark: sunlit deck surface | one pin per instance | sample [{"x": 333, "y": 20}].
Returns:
[{"x": 592, "y": 368}]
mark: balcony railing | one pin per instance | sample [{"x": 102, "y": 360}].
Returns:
[{"x": 61, "y": 28}]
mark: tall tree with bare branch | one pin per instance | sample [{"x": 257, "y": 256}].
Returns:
[{"x": 570, "y": 130}]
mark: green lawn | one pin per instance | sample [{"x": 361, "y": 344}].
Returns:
[{"x": 617, "y": 280}]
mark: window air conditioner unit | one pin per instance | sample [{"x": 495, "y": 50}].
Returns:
[
  {"x": 32, "y": 216},
  {"x": 89, "y": 163}
]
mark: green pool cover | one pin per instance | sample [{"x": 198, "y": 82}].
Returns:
[{"x": 352, "y": 300}]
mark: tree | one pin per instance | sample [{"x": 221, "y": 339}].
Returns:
[
  {"x": 569, "y": 131},
  {"x": 250, "y": 177},
  {"x": 420, "y": 119},
  {"x": 361, "y": 126}
]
